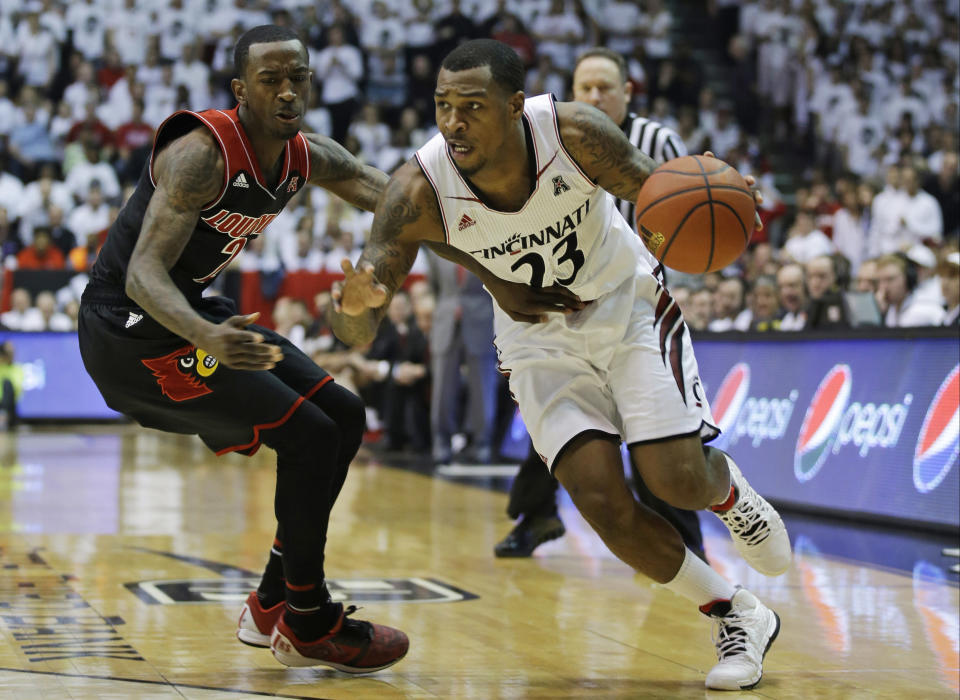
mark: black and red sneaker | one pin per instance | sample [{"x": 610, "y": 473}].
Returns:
[
  {"x": 256, "y": 622},
  {"x": 352, "y": 646}
]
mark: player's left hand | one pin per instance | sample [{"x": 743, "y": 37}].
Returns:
[
  {"x": 358, "y": 291},
  {"x": 757, "y": 194}
]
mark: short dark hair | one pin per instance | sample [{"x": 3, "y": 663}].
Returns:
[
  {"x": 603, "y": 52},
  {"x": 505, "y": 65},
  {"x": 264, "y": 34}
]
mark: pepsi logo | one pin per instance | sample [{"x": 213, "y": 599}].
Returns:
[
  {"x": 821, "y": 421},
  {"x": 729, "y": 399},
  {"x": 939, "y": 441}
]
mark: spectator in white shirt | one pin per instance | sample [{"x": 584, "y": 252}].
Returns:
[
  {"x": 177, "y": 31},
  {"x": 886, "y": 212},
  {"x": 728, "y": 304},
  {"x": 37, "y": 51},
  {"x": 338, "y": 69},
  {"x": 194, "y": 74},
  {"x": 725, "y": 134},
  {"x": 372, "y": 133},
  {"x": 160, "y": 99},
  {"x": 83, "y": 89},
  {"x": 896, "y": 282},
  {"x": 91, "y": 216},
  {"x": 557, "y": 31},
  {"x": 850, "y": 225},
  {"x": 906, "y": 101},
  {"x": 150, "y": 72},
  {"x": 382, "y": 29},
  {"x": 92, "y": 168},
  {"x": 921, "y": 220},
  {"x": 20, "y": 310},
  {"x": 11, "y": 187},
  {"x": 622, "y": 20},
  {"x": 128, "y": 33},
  {"x": 46, "y": 318},
  {"x": 804, "y": 240},
  {"x": 792, "y": 294},
  {"x": 928, "y": 284},
  {"x": 655, "y": 24},
  {"x": 859, "y": 136}
]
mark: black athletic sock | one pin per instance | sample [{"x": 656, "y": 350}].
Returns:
[
  {"x": 310, "y": 612},
  {"x": 271, "y": 590}
]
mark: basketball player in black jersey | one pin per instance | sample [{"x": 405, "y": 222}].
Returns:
[
  {"x": 174, "y": 360},
  {"x": 600, "y": 79}
]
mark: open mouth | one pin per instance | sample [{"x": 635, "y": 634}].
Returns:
[
  {"x": 288, "y": 117},
  {"x": 459, "y": 150}
]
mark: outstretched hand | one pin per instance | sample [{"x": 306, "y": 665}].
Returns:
[
  {"x": 358, "y": 291},
  {"x": 238, "y": 348},
  {"x": 521, "y": 302},
  {"x": 755, "y": 189}
]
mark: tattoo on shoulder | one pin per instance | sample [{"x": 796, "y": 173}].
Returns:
[
  {"x": 604, "y": 152},
  {"x": 331, "y": 161},
  {"x": 191, "y": 170}
]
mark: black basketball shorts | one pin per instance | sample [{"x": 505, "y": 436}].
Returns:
[{"x": 162, "y": 381}]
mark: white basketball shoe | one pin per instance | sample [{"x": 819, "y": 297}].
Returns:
[
  {"x": 759, "y": 534},
  {"x": 744, "y": 630}
]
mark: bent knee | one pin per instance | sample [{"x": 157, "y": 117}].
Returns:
[
  {"x": 684, "y": 485},
  {"x": 606, "y": 511}
]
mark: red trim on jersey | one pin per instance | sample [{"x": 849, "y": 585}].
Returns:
[
  {"x": 436, "y": 193},
  {"x": 223, "y": 149},
  {"x": 549, "y": 163},
  {"x": 255, "y": 443},
  {"x": 306, "y": 156}
]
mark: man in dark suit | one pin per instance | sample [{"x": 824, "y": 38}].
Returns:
[{"x": 462, "y": 334}]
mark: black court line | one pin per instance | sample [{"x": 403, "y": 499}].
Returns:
[{"x": 171, "y": 684}]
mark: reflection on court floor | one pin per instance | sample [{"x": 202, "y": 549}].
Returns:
[{"x": 125, "y": 556}]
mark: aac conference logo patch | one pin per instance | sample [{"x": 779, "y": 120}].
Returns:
[
  {"x": 939, "y": 440},
  {"x": 729, "y": 400},
  {"x": 820, "y": 423}
]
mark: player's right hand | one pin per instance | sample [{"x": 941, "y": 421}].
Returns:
[
  {"x": 527, "y": 304},
  {"x": 238, "y": 348},
  {"x": 358, "y": 291}
]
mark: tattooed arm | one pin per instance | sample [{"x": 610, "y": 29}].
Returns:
[
  {"x": 189, "y": 174},
  {"x": 406, "y": 215},
  {"x": 334, "y": 168},
  {"x": 602, "y": 150}
]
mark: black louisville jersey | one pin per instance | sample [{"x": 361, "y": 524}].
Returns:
[{"x": 242, "y": 210}]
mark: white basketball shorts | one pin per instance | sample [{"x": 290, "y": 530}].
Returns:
[{"x": 624, "y": 365}]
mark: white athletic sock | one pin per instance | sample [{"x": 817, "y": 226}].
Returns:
[{"x": 696, "y": 581}]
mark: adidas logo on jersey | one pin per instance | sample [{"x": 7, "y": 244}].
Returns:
[
  {"x": 559, "y": 186},
  {"x": 240, "y": 181},
  {"x": 465, "y": 222},
  {"x": 133, "y": 319}
]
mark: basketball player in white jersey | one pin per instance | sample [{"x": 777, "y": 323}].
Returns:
[
  {"x": 599, "y": 79},
  {"x": 518, "y": 186}
]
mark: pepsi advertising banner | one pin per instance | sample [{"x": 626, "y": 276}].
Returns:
[
  {"x": 55, "y": 383},
  {"x": 865, "y": 425}
]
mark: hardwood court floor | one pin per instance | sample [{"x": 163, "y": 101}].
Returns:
[{"x": 125, "y": 555}]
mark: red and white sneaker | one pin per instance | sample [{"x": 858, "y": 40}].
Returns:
[
  {"x": 256, "y": 623},
  {"x": 352, "y": 646}
]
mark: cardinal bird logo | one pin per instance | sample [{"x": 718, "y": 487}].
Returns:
[{"x": 181, "y": 373}]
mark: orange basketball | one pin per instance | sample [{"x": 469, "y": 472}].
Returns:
[{"x": 695, "y": 214}]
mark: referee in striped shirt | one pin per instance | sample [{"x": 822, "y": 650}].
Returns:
[{"x": 599, "y": 79}]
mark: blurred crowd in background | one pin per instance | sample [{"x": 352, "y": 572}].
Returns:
[{"x": 845, "y": 111}]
